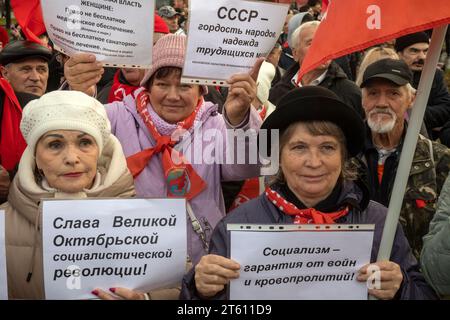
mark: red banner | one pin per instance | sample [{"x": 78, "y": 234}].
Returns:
[
  {"x": 29, "y": 16},
  {"x": 354, "y": 25}
]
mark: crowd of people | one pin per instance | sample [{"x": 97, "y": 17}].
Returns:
[{"x": 72, "y": 129}]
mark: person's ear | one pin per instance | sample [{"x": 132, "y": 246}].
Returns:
[
  {"x": 294, "y": 54},
  {"x": 412, "y": 97},
  {"x": 4, "y": 72}
]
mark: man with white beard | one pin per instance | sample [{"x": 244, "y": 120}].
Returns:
[{"x": 386, "y": 97}]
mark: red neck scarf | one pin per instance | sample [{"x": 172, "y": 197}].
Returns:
[
  {"x": 182, "y": 180},
  {"x": 263, "y": 112},
  {"x": 12, "y": 143},
  {"x": 119, "y": 90},
  {"x": 303, "y": 216}
]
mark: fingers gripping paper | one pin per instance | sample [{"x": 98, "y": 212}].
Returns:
[{"x": 228, "y": 36}]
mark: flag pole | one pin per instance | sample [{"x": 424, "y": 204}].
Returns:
[{"x": 410, "y": 142}]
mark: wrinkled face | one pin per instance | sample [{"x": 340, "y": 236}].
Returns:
[
  {"x": 311, "y": 165},
  {"x": 306, "y": 37},
  {"x": 385, "y": 104},
  {"x": 28, "y": 76},
  {"x": 133, "y": 75},
  {"x": 172, "y": 23},
  {"x": 415, "y": 55},
  {"x": 172, "y": 100},
  {"x": 68, "y": 159}
]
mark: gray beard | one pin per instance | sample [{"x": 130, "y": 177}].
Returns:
[{"x": 381, "y": 127}]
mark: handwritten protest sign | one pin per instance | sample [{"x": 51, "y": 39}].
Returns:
[
  {"x": 300, "y": 261},
  {"x": 227, "y": 37},
  {"x": 133, "y": 243},
  {"x": 118, "y": 32},
  {"x": 3, "y": 279}
]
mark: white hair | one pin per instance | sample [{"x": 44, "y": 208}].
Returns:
[
  {"x": 296, "y": 33},
  {"x": 378, "y": 126},
  {"x": 410, "y": 90}
]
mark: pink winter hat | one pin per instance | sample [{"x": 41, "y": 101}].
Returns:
[{"x": 169, "y": 51}]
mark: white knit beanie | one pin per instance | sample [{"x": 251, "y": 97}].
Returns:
[
  {"x": 264, "y": 82},
  {"x": 65, "y": 110}
]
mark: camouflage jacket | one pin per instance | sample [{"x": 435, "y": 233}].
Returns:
[
  {"x": 435, "y": 257},
  {"x": 425, "y": 182}
]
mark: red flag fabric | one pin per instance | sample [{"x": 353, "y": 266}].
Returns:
[
  {"x": 120, "y": 90},
  {"x": 12, "y": 143},
  {"x": 29, "y": 16},
  {"x": 354, "y": 25},
  {"x": 324, "y": 6}
]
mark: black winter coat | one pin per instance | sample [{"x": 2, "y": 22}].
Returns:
[
  {"x": 437, "y": 113},
  {"x": 335, "y": 80},
  {"x": 262, "y": 211}
]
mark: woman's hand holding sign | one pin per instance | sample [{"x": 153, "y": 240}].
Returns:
[
  {"x": 83, "y": 72},
  {"x": 388, "y": 279},
  {"x": 213, "y": 272},
  {"x": 241, "y": 93}
]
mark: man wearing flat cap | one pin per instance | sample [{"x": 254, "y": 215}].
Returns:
[
  {"x": 24, "y": 75},
  {"x": 24, "y": 64},
  {"x": 413, "y": 49},
  {"x": 386, "y": 96}
]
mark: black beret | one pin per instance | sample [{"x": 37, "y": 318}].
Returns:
[
  {"x": 22, "y": 49},
  {"x": 314, "y": 103},
  {"x": 410, "y": 39}
]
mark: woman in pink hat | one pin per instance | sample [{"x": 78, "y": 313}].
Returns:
[{"x": 166, "y": 129}]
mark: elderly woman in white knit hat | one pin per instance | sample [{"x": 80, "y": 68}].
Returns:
[{"x": 71, "y": 154}]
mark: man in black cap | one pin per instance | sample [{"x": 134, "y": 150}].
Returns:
[
  {"x": 413, "y": 49},
  {"x": 24, "y": 75},
  {"x": 386, "y": 96}
]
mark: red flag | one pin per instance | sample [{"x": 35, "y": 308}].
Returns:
[
  {"x": 354, "y": 25},
  {"x": 12, "y": 143},
  {"x": 29, "y": 16},
  {"x": 324, "y": 6}
]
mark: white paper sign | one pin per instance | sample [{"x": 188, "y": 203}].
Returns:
[
  {"x": 300, "y": 264},
  {"x": 227, "y": 36},
  {"x": 3, "y": 278},
  {"x": 133, "y": 243},
  {"x": 119, "y": 33}
]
